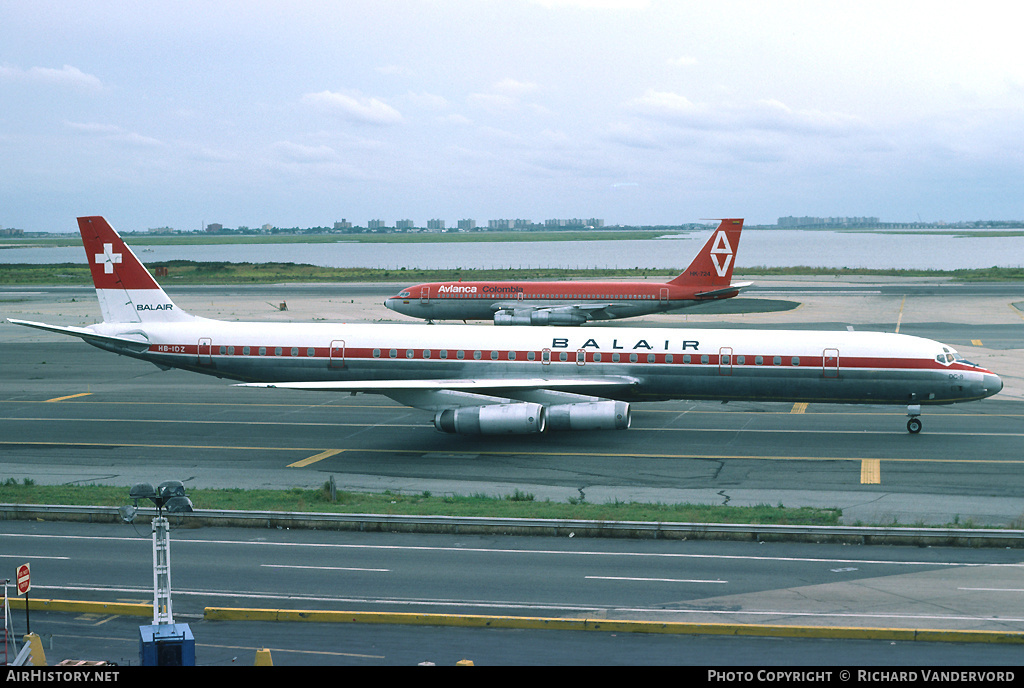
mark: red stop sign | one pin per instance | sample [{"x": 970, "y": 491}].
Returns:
[{"x": 24, "y": 578}]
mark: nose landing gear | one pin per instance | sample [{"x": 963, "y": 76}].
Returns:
[{"x": 914, "y": 424}]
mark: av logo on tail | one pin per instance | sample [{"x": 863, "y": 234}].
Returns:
[{"x": 721, "y": 248}]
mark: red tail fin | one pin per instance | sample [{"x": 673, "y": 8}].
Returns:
[
  {"x": 712, "y": 267},
  {"x": 112, "y": 263},
  {"x": 126, "y": 290}
]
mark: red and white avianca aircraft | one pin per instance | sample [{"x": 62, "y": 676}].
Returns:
[
  {"x": 709, "y": 278},
  {"x": 485, "y": 380}
]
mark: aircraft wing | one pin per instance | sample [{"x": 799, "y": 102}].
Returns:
[
  {"x": 739, "y": 286},
  {"x": 466, "y": 384},
  {"x": 132, "y": 344}
]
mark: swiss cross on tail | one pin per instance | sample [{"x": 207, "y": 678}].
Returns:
[{"x": 108, "y": 258}]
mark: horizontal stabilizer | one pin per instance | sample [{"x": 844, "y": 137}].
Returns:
[
  {"x": 738, "y": 286},
  {"x": 140, "y": 344}
]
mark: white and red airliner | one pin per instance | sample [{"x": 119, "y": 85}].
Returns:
[
  {"x": 485, "y": 380},
  {"x": 522, "y": 302}
]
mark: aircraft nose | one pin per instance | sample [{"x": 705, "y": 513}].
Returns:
[{"x": 993, "y": 384}]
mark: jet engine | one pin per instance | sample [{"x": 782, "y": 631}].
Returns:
[
  {"x": 598, "y": 415},
  {"x": 494, "y": 419},
  {"x": 539, "y": 318}
]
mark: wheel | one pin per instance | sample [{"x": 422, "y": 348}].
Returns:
[{"x": 914, "y": 426}]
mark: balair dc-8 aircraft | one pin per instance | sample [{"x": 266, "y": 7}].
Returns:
[
  {"x": 488, "y": 380},
  {"x": 709, "y": 278}
]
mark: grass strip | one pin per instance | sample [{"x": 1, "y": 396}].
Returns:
[{"x": 516, "y": 505}]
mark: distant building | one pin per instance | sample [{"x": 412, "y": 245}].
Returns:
[
  {"x": 807, "y": 222},
  {"x": 435, "y": 224},
  {"x": 405, "y": 224},
  {"x": 522, "y": 224},
  {"x": 555, "y": 223},
  {"x": 375, "y": 224},
  {"x": 499, "y": 224},
  {"x": 10, "y": 231},
  {"x": 214, "y": 227},
  {"x": 467, "y": 225},
  {"x": 344, "y": 224}
]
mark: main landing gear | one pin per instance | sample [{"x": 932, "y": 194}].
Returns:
[{"x": 914, "y": 424}]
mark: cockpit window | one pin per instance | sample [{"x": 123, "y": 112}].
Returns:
[
  {"x": 950, "y": 356},
  {"x": 404, "y": 295}
]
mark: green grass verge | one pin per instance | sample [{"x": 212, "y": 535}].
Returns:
[
  {"x": 191, "y": 272},
  {"x": 516, "y": 505}
]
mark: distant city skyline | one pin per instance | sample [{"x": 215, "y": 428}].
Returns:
[{"x": 640, "y": 112}]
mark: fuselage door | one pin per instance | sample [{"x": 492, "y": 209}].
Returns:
[
  {"x": 205, "y": 351},
  {"x": 425, "y": 295},
  {"x": 663, "y": 296},
  {"x": 336, "y": 358},
  {"x": 725, "y": 360},
  {"x": 830, "y": 363},
  {"x": 545, "y": 356},
  {"x": 581, "y": 357}
]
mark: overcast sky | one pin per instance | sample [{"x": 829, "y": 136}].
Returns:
[{"x": 176, "y": 113}]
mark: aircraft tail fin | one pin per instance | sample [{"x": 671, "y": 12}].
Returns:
[
  {"x": 712, "y": 267},
  {"x": 126, "y": 290}
]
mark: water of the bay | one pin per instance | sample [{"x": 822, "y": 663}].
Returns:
[{"x": 769, "y": 248}]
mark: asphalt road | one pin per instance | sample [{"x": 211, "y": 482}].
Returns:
[
  {"x": 600, "y": 579},
  {"x": 71, "y": 413}
]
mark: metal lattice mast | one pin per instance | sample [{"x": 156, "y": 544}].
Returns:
[{"x": 161, "y": 571}]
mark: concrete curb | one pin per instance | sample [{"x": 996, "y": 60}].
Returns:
[
  {"x": 83, "y": 607},
  {"x": 537, "y": 623},
  {"x": 612, "y": 626}
]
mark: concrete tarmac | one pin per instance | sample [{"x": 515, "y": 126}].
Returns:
[{"x": 986, "y": 327}]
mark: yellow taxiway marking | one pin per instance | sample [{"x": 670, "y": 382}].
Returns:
[
  {"x": 316, "y": 457},
  {"x": 799, "y": 407},
  {"x": 899, "y": 318},
  {"x": 555, "y": 454},
  {"x": 870, "y": 472},
  {"x": 71, "y": 396},
  {"x": 976, "y": 342}
]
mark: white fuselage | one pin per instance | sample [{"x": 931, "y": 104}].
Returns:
[{"x": 763, "y": 365}]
